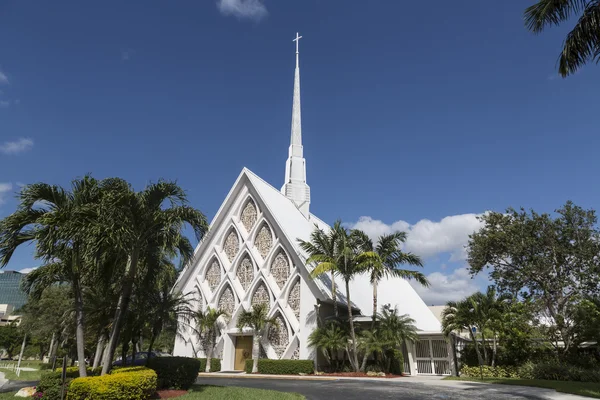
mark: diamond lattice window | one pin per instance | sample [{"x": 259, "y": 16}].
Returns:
[
  {"x": 294, "y": 299},
  {"x": 245, "y": 272},
  {"x": 248, "y": 216},
  {"x": 227, "y": 301},
  {"x": 264, "y": 241},
  {"x": 296, "y": 354},
  {"x": 200, "y": 300},
  {"x": 280, "y": 269},
  {"x": 232, "y": 245},
  {"x": 261, "y": 296},
  {"x": 278, "y": 336},
  {"x": 213, "y": 275}
]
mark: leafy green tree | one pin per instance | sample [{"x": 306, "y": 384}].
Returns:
[
  {"x": 323, "y": 251},
  {"x": 395, "y": 330},
  {"x": 384, "y": 259},
  {"x": 257, "y": 320},
  {"x": 142, "y": 223},
  {"x": 551, "y": 261},
  {"x": 57, "y": 221},
  {"x": 206, "y": 330},
  {"x": 10, "y": 339},
  {"x": 582, "y": 44}
]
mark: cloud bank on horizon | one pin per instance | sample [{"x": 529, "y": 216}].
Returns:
[
  {"x": 433, "y": 240},
  {"x": 243, "y": 9}
]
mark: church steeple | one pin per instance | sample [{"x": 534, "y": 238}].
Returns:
[{"x": 295, "y": 187}]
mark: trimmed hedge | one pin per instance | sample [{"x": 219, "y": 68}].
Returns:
[
  {"x": 547, "y": 371},
  {"x": 282, "y": 367},
  {"x": 215, "y": 364},
  {"x": 490, "y": 372},
  {"x": 50, "y": 382},
  {"x": 137, "y": 383},
  {"x": 175, "y": 372}
]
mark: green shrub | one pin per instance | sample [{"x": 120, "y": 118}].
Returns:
[
  {"x": 282, "y": 367},
  {"x": 215, "y": 364},
  {"x": 175, "y": 372},
  {"x": 563, "y": 372},
  {"x": 50, "y": 382},
  {"x": 45, "y": 366},
  {"x": 137, "y": 383},
  {"x": 490, "y": 372}
]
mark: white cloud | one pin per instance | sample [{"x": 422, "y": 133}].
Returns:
[
  {"x": 427, "y": 238},
  {"x": 251, "y": 9},
  {"x": 18, "y": 146},
  {"x": 3, "y": 79},
  {"x": 5, "y": 188},
  {"x": 27, "y": 270},
  {"x": 446, "y": 287},
  {"x": 4, "y": 103}
]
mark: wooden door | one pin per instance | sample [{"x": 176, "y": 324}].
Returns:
[{"x": 243, "y": 352}]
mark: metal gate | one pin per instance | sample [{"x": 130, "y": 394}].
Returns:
[{"x": 432, "y": 357}]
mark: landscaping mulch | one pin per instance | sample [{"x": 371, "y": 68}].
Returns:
[
  {"x": 360, "y": 375},
  {"x": 169, "y": 394}
]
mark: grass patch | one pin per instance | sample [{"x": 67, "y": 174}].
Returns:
[
  {"x": 236, "y": 393},
  {"x": 25, "y": 375},
  {"x": 588, "y": 389},
  {"x": 6, "y": 396}
]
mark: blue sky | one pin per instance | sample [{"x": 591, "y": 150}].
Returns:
[{"x": 416, "y": 115}]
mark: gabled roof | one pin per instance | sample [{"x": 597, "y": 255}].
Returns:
[{"x": 282, "y": 210}]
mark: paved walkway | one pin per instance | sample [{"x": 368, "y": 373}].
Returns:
[
  {"x": 418, "y": 388},
  {"x": 2, "y": 380}
]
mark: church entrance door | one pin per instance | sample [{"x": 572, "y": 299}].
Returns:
[{"x": 243, "y": 352}]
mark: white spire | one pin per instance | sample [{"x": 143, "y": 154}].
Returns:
[{"x": 295, "y": 187}]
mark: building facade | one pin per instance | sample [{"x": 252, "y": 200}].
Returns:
[{"x": 251, "y": 256}]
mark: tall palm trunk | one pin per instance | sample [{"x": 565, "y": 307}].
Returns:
[
  {"x": 479, "y": 358},
  {"x": 99, "y": 348},
  {"x": 334, "y": 295},
  {"x": 494, "y": 350},
  {"x": 374, "y": 317},
  {"x": 485, "y": 351},
  {"x": 354, "y": 355},
  {"x": 121, "y": 311},
  {"x": 151, "y": 344},
  {"x": 50, "y": 351},
  {"x": 79, "y": 327},
  {"x": 255, "y": 353},
  {"x": 208, "y": 357}
]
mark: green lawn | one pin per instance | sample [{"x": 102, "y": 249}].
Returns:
[
  {"x": 220, "y": 393},
  {"x": 588, "y": 389},
  {"x": 25, "y": 375},
  {"x": 236, "y": 393}
]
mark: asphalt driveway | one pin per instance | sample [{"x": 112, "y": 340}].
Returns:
[{"x": 360, "y": 390}]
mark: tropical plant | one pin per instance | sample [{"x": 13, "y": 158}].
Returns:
[
  {"x": 582, "y": 44},
  {"x": 322, "y": 250},
  {"x": 258, "y": 321},
  {"x": 394, "y": 329},
  {"x": 206, "y": 330},
  {"x": 459, "y": 316},
  {"x": 331, "y": 339},
  {"x": 143, "y": 223},
  {"x": 57, "y": 221},
  {"x": 384, "y": 259}
]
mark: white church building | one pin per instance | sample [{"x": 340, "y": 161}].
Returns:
[{"x": 251, "y": 255}]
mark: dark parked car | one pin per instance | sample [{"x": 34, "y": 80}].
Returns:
[{"x": 140, "y": 358}]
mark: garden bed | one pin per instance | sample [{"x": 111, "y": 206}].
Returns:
[
  {"x": 169, "y": 393},
  {"x": 359, "y": 375}
]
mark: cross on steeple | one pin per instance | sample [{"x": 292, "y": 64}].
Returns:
[{"x": 297, "y": 40}]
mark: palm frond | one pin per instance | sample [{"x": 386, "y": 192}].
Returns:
[
  {"x": 551, "y": 12},
  {"x": 583, "y": 42}
]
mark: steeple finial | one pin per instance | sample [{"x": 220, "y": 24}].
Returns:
[{"x": 295, "y": 187}]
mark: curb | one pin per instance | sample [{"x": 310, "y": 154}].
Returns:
[{"x": 259, "y": 376}]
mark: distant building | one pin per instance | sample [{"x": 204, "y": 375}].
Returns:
[{"x": 11, "y": 293}]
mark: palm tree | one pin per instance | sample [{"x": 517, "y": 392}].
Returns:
[
  {"x": 330, "y": 339},
  {"x": 257, "y": 320},
  {"x": 58, "y": 222},
  {"x": 582, "y": 43},
  {"x": 322, "y": 252},
  {"x": 384, "y": 260},
  {"x": 459, "y": 316},
  {"x": 144, "y": 223},
  {"x": 395, "y": 330},
  {"x": 206, "y": 330},
  {"x": 488, "y": 309}
]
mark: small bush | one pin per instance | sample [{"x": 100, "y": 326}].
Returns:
[
  {"x": 490, "y": 372},
  {"x": 50, "y": 382},
  {"x": 215, "y": 364},
  {"x": 282, "y": 367},
  {"x": 175, "y": 372},
  {"x": 563, "y": 372},
  {"x": 137, "y": 383}
]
